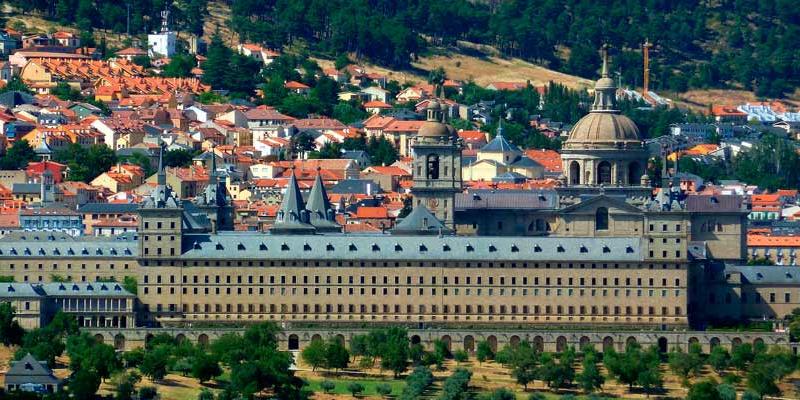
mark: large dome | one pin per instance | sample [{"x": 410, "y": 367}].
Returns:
[{"x": 604, "y": 128}]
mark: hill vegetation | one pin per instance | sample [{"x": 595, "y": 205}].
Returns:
[{"x": 748, "y": 44}]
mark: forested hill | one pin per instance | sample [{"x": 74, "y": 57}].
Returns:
[{"x": 749, "y": 44}]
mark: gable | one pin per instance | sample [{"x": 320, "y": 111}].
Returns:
[{"x": 590, "y": 206}]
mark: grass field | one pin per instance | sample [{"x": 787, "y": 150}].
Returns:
[{"x": 369, "y": 385}]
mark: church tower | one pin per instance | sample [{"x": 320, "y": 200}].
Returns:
[
  {"x": 160, "y": 220},
  {"x": 215, "y": 201},
  {"x": 437, "y": 166}
]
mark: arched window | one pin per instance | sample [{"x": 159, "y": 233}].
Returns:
[
  {"x": 574, "y": 173},
  {"x": 601, "y": 219},
  {"x": 634, "y": 173},
  {"x": 433, "y": 166},
  {"x": 604, "y": 173}
]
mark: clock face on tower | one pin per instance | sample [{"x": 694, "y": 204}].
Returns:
[{"x": 433, "y": 203}]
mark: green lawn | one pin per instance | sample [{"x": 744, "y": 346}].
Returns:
[{"x": 369, "y": 385}]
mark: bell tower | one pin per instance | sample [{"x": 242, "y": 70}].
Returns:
[
  {"x": 160, "y": 220},
  {"x": 437, "y": 166}
]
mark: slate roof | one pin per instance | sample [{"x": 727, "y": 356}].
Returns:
[
  {"x": 505, "y": 200},
  {"x": 29, "y": 370},
  {"x": 356, "y": 186},
  {"x": 420, "y": 221},
  {"x": 83, "y": 289},
  {"x": 382, "y": 247},
  {"x": 26, "y": 188},
  {"x": 24, "y": 290},
  {"x": 766, "y": 274},
  {"x": 15, "y": 98},
  {"x": 715, "y": 203},
  {"x": 499, "y": 144},
  {"x": 55, "y": 244},
  {"x": 107, "y": 208}
]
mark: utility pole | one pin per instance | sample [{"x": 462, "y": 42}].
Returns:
[{"x": 646, "y": 50}]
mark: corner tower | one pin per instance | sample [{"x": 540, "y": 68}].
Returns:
[
  {"x": 160, "y": 220},
  {"x": 437, "y": 166}
]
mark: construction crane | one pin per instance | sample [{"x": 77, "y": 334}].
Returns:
[{"x": 646, "y": 51}]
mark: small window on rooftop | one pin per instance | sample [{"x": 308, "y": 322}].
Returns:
[
  {"x": 537, "y": 249},
  {"x": 375, "y": 247},
  {"x": 262, "y": 247},
  {"x": 560, "y": 249},
  {"x": 470, "y": 248},
  {"x": 284, "y": 247},
  {"x": 329, "y": 247},
  {"x": 397, "y": 247},
  {"x": 352, "y": 247},
  {"x": 306, "y": 247},
  {"x": 514, "y": 248},
  {"x": 219, "y": 246}
]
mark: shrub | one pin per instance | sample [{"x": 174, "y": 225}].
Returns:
[
  {"x": 355, "y": 388},
  {"x": 327, "y": 386}
]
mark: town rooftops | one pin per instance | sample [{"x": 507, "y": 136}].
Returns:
[
  {"x": 382, "y": 247},
  {"x": 107, "y": 208},
  {"x": 714, "y": 203},
  {"x": 757, "y": 240}
]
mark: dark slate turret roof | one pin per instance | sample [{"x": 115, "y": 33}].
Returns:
[
  {"x": 162, "y": 196},
  {"x": 420, "y": 221},
  {"x": 292, "y": 216},
  {"x": 499, "y": 144},
  {"x": 319, "y": 208}
]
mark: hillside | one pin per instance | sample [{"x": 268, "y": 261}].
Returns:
[{"x": 743, "y": 49}]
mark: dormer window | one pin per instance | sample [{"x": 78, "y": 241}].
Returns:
[
  {"x": 196, "y": 245},
  {"x": 629, "y": 250},
  {"x": 584, "y": 249},
  {"x": 27, "y": 251},
  {"x": 423, "y": 248},
  {"x": 284, "y": 246},
  {"x": 352, "y": 247},
  {"x": 492, "y": 249},
  {"x": 262, "y": 247},
  {"x": 306, "y": 247},
  {"x": 560, "y": 249},
  {"x": 537, "y": 249},
  {"x": 606, "y": 249},
  {"x": 446, "y": 247},
  {"x": 470, "y": 249},
  {"x": 397, "y": 247},
  {"x": 514, "y": 248},
  {"x": 375, "y": 247},
  {"x": 41, "y": 251},
  {"x": 240, "y": 246},
  {"x": 219, "y": 246},
  {"x": 329, "y": 247}
]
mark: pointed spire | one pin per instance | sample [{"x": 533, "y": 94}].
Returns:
[
  {"x": 212, "y": 176},
  {"x": 605, "y": 91},
  {"x": 320, "y": 209},
  {"x": 292, "y": 216},
  {"x": 500, "y": 127},
  {"x": 162, "y": 175},
  {"x": 604, "y": 70},
  {"x": 318, "y": 202}
]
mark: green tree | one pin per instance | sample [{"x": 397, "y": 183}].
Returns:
[
  {"x": 15, "y": 84},
  {"x": 336, "y": 355},
  {"x": 85, "y": 164},
  {"x": 741, "y": 356},
  {"x": 719, "y": 359},
  {"x": 216, "y": 65},
  {"x": 148, "y": 393},
  {"x": 83, "y": 384},
  {"x": 180, "y": 66},
  {"x": 18, "y": 156},
  {"x": 460, "y": 356},
  {"x": 704, "y": 390},
  {"x": 685, "y": 364},
  {"x": 154, "y": 363},
  {"x": 327, "y": 386},
  {"x": 65, "y": 92},
  {"x": 726, "y": 391},
  {"x": 484, "y": 351},
  {"x": 130, "y": 284},
  {"x": 341, "y": 61},
  {"x": 205, "y": 367},
  {"x": 302, "y": 143},
  {"x": 524, "y": 364},
  {"x": 205, "y": 394},
  {"x": 178, "y": 158},
  {"x": 10, "y": 331},
  {"x": 590, "y": 378},
  {"x": 125, "y": 384},
  {"x": 359, "y": 345},
  {"x": 557, "y": 372},
  {"x": 355, "y": 388},
  {"x": 383, "y": 389},
  {"x": 314, "y": 354}
]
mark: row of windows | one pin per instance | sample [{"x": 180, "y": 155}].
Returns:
[
  {"x": 664, "y": 227},
  {"x": 397, "y": 264},
  {"x": 420, "y": 309},
  {"x": 744, "y": 298},
  {"x": 418, "y": 291},
  {"x": 54, "y": 267},
  {"x": 420, "y": 280}
]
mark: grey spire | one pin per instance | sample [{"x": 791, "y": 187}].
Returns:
[
  {"x": 212, "y": 176},
  {"x": 321, "y": 213},
  {"x": 162, "y": 175},
  {"x": 292, "y": 216},
  {"x": 500, "y": 127},
  {"x": 605, "y": 90}
]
